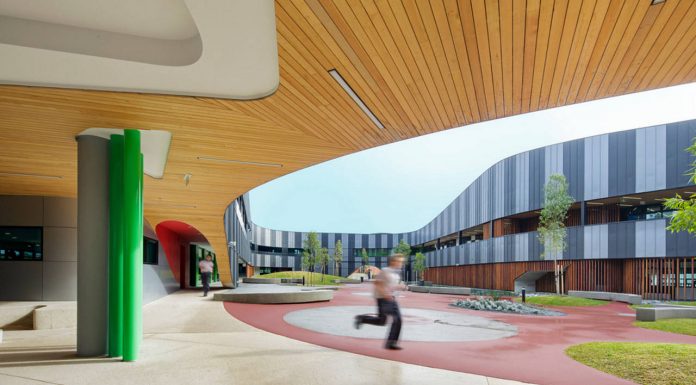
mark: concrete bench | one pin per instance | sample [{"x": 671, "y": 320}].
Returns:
[
  {"x": 263, "y": 280},
  {"x": 656, "y": 313},
  {"x": 303, "y": 296},
  {"x": 59, "y": 316},
  {"x": 633, "y": 299},
  {"x": 440, "y": 290}
]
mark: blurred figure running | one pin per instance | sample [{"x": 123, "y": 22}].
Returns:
[{"x": 386, "y": 282}]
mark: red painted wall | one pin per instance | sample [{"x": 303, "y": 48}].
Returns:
[{"x": 171, "y": 243}]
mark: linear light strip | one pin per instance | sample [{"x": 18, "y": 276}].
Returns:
[
  {"x": 212, "y": 159},
  {"x": 31, "y": 175},
  {"x": 342, "y": 82}
]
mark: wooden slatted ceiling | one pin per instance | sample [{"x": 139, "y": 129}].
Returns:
[{"x": 420, "y": 66}]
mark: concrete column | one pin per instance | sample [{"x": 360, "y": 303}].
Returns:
[{"x": 92, "y": 244}]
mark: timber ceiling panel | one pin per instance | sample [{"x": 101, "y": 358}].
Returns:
[{"x": 420, "y": 66}]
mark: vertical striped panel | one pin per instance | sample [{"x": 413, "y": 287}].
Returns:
[
  {"x": 596, "y": 167},
  {"x": 650, "y": 158},
  {"x": 650, "y": 238},
  {"x": 574, "y": 168},
  {"x": 553, "y": 162},
  {"x": 622, "y": 162},
  {"x": 596, "y": 242}
]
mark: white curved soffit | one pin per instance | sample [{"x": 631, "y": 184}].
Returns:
[
  {"x": 216, "y": 48},
  {"x": 154, "y": 144}
]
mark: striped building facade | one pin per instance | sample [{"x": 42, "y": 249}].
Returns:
[{"x": 486, "y": 236}]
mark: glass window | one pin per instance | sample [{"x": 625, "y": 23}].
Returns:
[
  {"x": 21, "y": 243},
  {"x": 150, "y": 251},
  {"x": 653, "y": 212}
]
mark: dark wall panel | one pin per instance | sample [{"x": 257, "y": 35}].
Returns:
[
  {"x": 574, "y": 167},
  {"x": 622, "y": 162},
  {"x": 679, "y": 137}
]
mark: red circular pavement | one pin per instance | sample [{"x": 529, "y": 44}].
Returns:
[{"x": 535, "y": 355}]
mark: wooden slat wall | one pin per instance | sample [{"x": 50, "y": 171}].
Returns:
[
  {"x": 627, "y": 276},
  {"x": 596, "y": 215}
]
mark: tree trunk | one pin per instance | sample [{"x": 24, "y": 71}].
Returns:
[
  {"x": 562, "y": 281},
  {"x": 555, "y": 273}
]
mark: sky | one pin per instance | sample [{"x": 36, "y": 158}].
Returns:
[{"x": 402, "y": 186}]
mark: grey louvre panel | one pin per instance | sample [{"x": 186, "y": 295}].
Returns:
[
  {"x": 574, "y": 168},
  {"x": 679, "y": 137},
  {"x": 324, "y": 239},
  {"x": 596, "y": 242},
  {"x": 535, "y": 249},
  {"x": 621, "y": 241},
  {"x": 286, "y": 239},
  {"x": 622, "y": 162},
  {"x": 681, "y": 244},
  {"x": 510, "y": 181},
  {"x": 596, "y": 167},
  {"x": 331, "y": 242},
  {"x": 553, "y": 162},
  {"x": 351, "y": 241},
  {"x": 576, "y": 243},
  {"x": 651, "y": 158},
  {"x": 536, "y": 178},
  {"x": 298, "y": 240},
  {"x": 650, "y": 239}
]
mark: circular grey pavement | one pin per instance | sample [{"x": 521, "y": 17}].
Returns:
[{"x": 418, "y": 324}]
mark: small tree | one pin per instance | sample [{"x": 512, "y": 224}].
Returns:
[
  {"x": 402, "y": 248},
  {"x": 338, "y": 257},
  {"x": 312, "y": 248},
  {"x": 684, "y": 218},
  {"x": 419, "y": 265},
  {"x": 365, "y": 258},
  {"x": 552, "y": 233},
  {"x": 323, "y": 261}
]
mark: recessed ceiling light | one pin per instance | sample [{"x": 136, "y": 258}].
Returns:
[
  {"x": 213, "y": 159},
  {"x": 594, "y": 203},
  {"x": 624, "y": 205},
  {"x": 346, "y": 87},
  {"x": 689, "y": 192},
  {"x": 31, "y": 175},
  {"x": 655, "y": 2},
  {"x": 636, "y": 198}
]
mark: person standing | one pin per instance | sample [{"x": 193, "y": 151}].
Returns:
[
  {"x": 206, "y": 267},
  {"x": 385, "y": 283}
]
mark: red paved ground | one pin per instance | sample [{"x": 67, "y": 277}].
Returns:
[{"x": 535, "y": 355}]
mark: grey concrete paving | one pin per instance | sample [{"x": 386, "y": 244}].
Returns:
[
  {"x": 419, "y": 324},
  {"x": 193, "y": 340}
]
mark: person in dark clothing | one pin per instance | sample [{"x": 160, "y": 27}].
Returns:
[
  {"x": 206, "y": 267},
  {"x": 386, "y": 282}
]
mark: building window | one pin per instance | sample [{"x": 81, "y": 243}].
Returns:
[
  {"x": 21, "y": 243},
  {"x": 150, "y": 251}
]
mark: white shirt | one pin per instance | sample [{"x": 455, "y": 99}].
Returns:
[
  {"x": 391, "y": 278},
  {"x": 205, "y": 266}
]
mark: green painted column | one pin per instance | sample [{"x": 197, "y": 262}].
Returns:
[
  {"x": 116, "y": 245},
  {"x": 133, "y": 244}
]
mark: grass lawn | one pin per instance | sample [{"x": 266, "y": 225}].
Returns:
[
  {"x": 683, "y": 303},
  {"x": 558, "y": 300},
  {"x": 643, "y": 363},
  {"x": 317, "y": 278},
  {"x": 641, "y": 305},
  {"x": 674, "y": 325}
]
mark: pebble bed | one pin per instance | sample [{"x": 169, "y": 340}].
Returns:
[{"x": 504, "y": 306}]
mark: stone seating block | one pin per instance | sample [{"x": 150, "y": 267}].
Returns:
[{"x": 658, "y": 313}]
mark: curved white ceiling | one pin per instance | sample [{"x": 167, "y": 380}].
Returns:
[{"x": 216, "y": 48}]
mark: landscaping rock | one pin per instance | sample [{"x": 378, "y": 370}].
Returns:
[{"x": 504, "y": 307}]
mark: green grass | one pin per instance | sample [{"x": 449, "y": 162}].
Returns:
[
  {"x": 673, "y": 325},
  {"x": 643, "y": 363},
  {"x": 557, "y": 300},
  {"x": 683, "y": 303},
  {"x": 641, "y": 305},
  {"x": 317, "y": 278}
]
